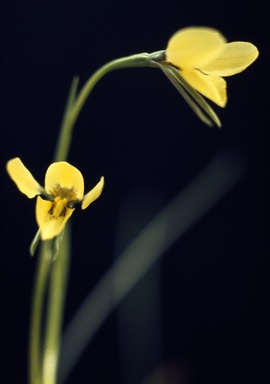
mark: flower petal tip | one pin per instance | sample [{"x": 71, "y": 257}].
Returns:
[
  {"x": 93, "y": 194},
  {"x": 23, "y": 178}
]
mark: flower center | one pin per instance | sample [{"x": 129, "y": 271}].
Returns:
[
  {"x": 63, "y": 198},
  {"x": 64, "y": 193}
]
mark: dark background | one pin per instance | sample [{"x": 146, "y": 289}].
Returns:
[{"x": 138, "y": 132}]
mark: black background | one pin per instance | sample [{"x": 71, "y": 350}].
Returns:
[{"x": 137, "y": 131}]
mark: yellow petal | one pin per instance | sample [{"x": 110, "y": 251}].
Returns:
[
  {"x": 194, "y": 47},
  {"x": 66, "y": 176},
  {"x": 213, "y": 87},
  {"x": 51, "y": 218},
  {"x": 234, "y": 58},
  {"x": 93, "y": 194},
  {"x": 23, "y": 178}
]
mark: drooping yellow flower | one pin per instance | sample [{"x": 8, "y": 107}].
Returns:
[
  {"x": 203, "y": 57},
  {"x": 64, "y": 188}
]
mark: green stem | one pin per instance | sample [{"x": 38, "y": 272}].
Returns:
[
  {"x": 55, "y": 309},
  {"x": 65, "y": 134},
  {"x": 75, "y": 104},
  {"x": 35, "y": 342},
  {"x": 43, "y": 357}
]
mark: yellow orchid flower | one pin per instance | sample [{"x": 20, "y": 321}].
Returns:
[
  {"x": 203, "y": 57},
  {"x": 196, "y": 60},
  {"x": 64, "y": 188}
]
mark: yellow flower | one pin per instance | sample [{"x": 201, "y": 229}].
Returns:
[
  {"x": 64, "y": 188},
  {"x": 203, "y": 57}
]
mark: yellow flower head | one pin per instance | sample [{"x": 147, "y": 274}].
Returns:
[
  {"x": 64, "y": 188},
  {"x": 203, "y": 57}
]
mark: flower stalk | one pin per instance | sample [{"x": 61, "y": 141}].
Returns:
[
  {"x": 52, "y": 269},
  {"x": 55, "y": 310},
  {"x": 75, "y": 102},
  {"x": 39, "y": 290}
]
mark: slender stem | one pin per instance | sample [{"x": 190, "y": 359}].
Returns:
[
  {"x": 138, "y": 60},
  {"x": 75, "y": 104},
  {"x": 43, "y": 357},
  {"x": 35, "y": 342},
  {"x": 43, "y": 276},
  {"x": 55, "y": 309},
  {"x": 65, "y": 134}
]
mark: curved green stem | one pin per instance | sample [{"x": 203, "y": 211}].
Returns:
[
  {"x": 52, "y": 271},
  {"x": 138, "y": 60},
  {"x": 75, "y": 104}
]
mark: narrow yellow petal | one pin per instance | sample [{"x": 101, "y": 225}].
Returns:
[
  {"x": 213, "y": 87},
  {"x": 234, "y": 58},
  {"x": 66, "y": 176},
  {"x": 93, "y": 194},
  {"x": 193, "y": 47},
  {"x": 23, "y": 178},
  {"x": 51, "y": 217}
]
